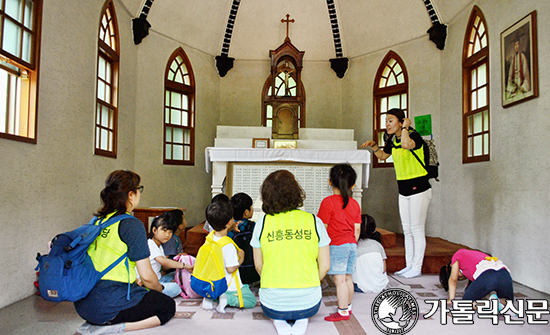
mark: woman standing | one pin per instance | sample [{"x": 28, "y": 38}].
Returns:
[
  {"x": 415, "y": 190},
  {"x": 113, "y": 306},
  {"x": 291, "y": 254}
]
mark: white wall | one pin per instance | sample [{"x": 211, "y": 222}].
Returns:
[
  {"x": 241, "y": 93},
  {"x": 54, "y": 186},
  {"x": 173, "y": 185},
  {"x": 380, "y": 199},
  {"x": 500, "y": 206}
]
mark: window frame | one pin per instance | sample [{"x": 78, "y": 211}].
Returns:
[
  {"x": 385, "y": 92},
  {"x": 28, "y": 71},
  {"x": 110, "y": 56},
  {"x": 298, "y": 99},
  {"x": 470, "y": 63},
  {"x": 189, "y": 91}
]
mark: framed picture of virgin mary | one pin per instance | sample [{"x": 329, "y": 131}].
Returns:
[{"x": 518, "y": 49}]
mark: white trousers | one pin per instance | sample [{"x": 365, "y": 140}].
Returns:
[{"x": 413, "y": 211}]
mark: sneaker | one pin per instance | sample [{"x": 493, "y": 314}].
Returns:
[
  {"x": 402, "y": 271},
  {"x": 495, "y": 297},
  {"x": 411, "y": 274},
  {"x": 336, "y": 317}
]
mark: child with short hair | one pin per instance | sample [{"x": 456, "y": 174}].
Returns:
[
  {"x": 162, "y": 229},
  {"x": 217, "y": 197},
  {"x": 342, "y": 217},
  {"x": 174, "y": 246},
  {"x": 220, "y": 216},
  {"x": 242, "y": 212}
]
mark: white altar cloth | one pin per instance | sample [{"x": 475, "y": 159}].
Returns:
[{"x": 320, "y": 156}]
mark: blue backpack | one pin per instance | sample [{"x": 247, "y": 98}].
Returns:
[{"x": 67, "y": 273}]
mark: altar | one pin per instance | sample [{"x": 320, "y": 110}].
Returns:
[{"x": 238, "y": 167}]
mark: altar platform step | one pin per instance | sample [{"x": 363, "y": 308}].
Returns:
[{"x": 438, "y": 253}]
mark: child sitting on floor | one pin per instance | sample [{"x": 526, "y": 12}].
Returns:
[
  {"x": 174, "y": 246},
  {"x": 162, "y": 229},
  {"x": 218, "y": 197},
  {"x": 370, "y": 276},
  {"x": 220, "y": 216},
  {"x": 242, "y": 213}
]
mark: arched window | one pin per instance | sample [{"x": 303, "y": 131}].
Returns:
[
  {"x": 284, "y": 90},
  {"x": 391, "y": 87},
  {"x": 475, "y": 79},
  {"x": 179, "y": 111},
  {"x": 106, "y": 120},
  {"x": 19, "y": 52}
]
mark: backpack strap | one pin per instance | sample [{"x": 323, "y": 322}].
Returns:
[
  {"x": 263, "y": 225},
  {"x": 222, "y": 242},
  {"x": 113, "y": 219},
  {"x": 315, "y": 225},
  {"x": 238, "y": 284},
  {"x": 418, "y": 159},
  {"x": 414, "y": 153}
]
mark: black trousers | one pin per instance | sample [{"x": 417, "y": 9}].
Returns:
[{"x": 153, "y": 304}]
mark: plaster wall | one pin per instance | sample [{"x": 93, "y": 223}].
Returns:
[
  {"x": 241, "y": 94},
  {"x": 54, "y": 186},
  {"x": 380, "y": 199},
  {"x": 499, "y": 206},
  {"x": 184, "y": 186}
]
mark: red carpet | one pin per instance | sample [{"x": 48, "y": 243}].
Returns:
[{"x": 438, "y": 253}]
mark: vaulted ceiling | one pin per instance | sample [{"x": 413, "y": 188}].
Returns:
[{"x": 363, "y": 26}]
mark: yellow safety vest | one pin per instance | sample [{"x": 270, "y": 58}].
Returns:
[
  {"x": 290, "y": 246},
  {"x": 406, "y": 165},
  {"x": 106, "y": 249}
]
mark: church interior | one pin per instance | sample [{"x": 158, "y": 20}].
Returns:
[{"x": 148, "y": 86}]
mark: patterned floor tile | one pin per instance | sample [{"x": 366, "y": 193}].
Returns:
[
  {"x": 259, "y": 316},
  {"x": 227, "y": 316},
  {"x": 329, "y": 292},
  {"x": 426, "y": 294},
  {"x": 190, "y": 303},
  {"x": 184, "y": 315},
  {"x": 416, "y": 286}
]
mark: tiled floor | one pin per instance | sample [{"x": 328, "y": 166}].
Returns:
[{"x": 34, "y": 316}]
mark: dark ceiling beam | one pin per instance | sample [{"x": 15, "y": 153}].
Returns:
[
  {"x": 140, "y": 25},
  {"x": 438, "y": 31},
  {"x": 340, "y": 63},
  {"x": 224, "y": 63}
]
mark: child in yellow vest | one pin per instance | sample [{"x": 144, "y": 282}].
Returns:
[{"x": 220, "y": 216}]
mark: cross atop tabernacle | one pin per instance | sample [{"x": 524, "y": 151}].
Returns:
[{"x": 287, "y": 23}]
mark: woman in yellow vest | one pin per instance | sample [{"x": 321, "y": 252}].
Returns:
[
  {"x": 415, "y": 191},
  {"x": 291, "y": 254},
  {"x": 113, "y": 306}
]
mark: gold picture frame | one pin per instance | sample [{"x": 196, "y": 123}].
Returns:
[
  {"x": 518, "y": 50},
  {"x": 285, "y": 144}
]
